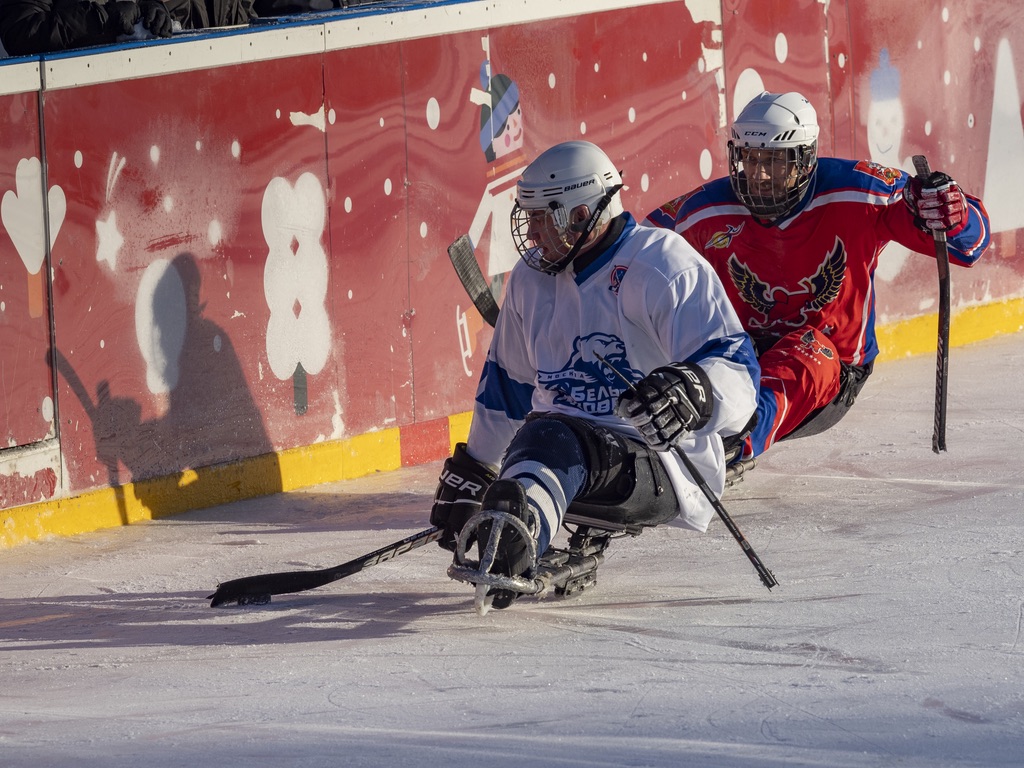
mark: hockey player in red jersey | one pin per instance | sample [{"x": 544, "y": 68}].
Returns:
[{"x": 795, "y": 239}]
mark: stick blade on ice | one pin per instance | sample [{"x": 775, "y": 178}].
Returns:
[{"x": 256, "y": 590}]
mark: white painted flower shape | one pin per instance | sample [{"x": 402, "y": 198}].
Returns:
[{"x": 295, "y": 276}]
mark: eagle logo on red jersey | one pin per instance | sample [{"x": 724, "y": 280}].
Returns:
[{"x": 776, "y": 304}]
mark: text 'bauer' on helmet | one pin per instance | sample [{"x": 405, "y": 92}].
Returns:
[
  {"x": 773, "y": 151},
  {"x": 563, "y": 196}
]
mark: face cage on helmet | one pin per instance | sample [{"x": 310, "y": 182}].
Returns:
[
  {"x": 772, "y": 203},
  {"x": 569, "y": 238},
  {"x": 531, "y": 251}
]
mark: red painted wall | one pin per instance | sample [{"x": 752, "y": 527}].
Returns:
[
  {"x": 255, "y": 259},
  {"x": 24, "y": 303}
]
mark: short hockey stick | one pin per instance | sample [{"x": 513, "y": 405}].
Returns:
[
  {"x": 942, "y": 344},
  {"x": 766, "y": 576},
  {"x": 257, "y": 590},
  {"x": 466, "y": 267}
]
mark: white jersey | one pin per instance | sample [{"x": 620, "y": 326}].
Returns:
[{"x": 647, "y": 301}]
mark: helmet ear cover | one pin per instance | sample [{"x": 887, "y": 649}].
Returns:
[{"x": 559, "y": 216}]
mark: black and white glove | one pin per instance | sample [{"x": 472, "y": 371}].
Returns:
[
  {"x": 460, "y": 490},
  {"x": 667, "y": 403},
  {"x": 936, "y": 202}
]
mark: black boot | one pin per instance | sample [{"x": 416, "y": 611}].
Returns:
[{"x": 513, "y": 555}]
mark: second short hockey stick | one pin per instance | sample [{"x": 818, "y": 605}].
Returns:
[
  {"x": 942, "y": 344},
  {"x": 766, "y": 576}
]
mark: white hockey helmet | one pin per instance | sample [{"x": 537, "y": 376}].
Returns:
[
  {"x": 547, "y": 228},
  {"x": 773, "y": 152}
]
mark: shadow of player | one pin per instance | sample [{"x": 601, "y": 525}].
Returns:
[{"x": 208, "y": 417}]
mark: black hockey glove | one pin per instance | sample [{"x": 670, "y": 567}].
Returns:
[
  {"x": 122, "y": 15},
  {"x": 667, "y": 403},
  {"x": 459, "y": 492},
  {"x": 937, "y": 203},
  {"x": 155, "y": 17}
]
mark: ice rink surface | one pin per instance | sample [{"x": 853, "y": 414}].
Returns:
[{"x": 894, "y": 638}]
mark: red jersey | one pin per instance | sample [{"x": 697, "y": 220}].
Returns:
[{"x": 816, "y": 265}]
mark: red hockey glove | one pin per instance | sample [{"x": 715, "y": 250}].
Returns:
[{"x": 937, "y": 203}]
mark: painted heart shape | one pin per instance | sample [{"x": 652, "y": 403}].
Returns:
[{"x": 21, "y": 212}]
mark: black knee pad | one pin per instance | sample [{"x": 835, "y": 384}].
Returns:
[
  {"x": 549, "y": 439},
  {"x": 626, "y": 482},
  {"x": 602, "y": 451}
]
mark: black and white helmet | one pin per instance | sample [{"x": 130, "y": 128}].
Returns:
[
  {"x": 551, "y": 188},
  {"x": 773, "y": 153}
]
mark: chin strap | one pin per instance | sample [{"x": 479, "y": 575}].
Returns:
[{"x": 586, "y": 227}]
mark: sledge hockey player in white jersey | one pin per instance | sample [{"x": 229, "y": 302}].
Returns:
[{"x": 597, "y": 301}]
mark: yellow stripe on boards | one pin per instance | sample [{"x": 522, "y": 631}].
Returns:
[
  {"x": 918, "y": 335},
  {"x": 204, "y": 487}
]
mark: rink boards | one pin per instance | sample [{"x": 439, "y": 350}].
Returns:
[{"x": 222, "y": 257}]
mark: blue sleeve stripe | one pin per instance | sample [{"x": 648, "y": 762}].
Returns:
[
  {"x": 501, "y": 393},
  {"x": 762, "y": 436},
  {"x": 967, "y": 245},
  {"x": 737, "y": 348},
  {"x": 869, "y": 344}
]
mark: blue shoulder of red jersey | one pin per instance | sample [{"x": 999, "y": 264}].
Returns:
[
  {"x": 875, "y": 184},
  {"x": 714, "y": 194},
  {"x": 835, "y": 175},
  {"x": 836, "y": 180}
]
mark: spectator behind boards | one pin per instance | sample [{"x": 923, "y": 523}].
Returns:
[
  {"x": 795, "y": 239},
  {"x": 272, "y": 8},
  {"x": 29, "y": 27}
]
